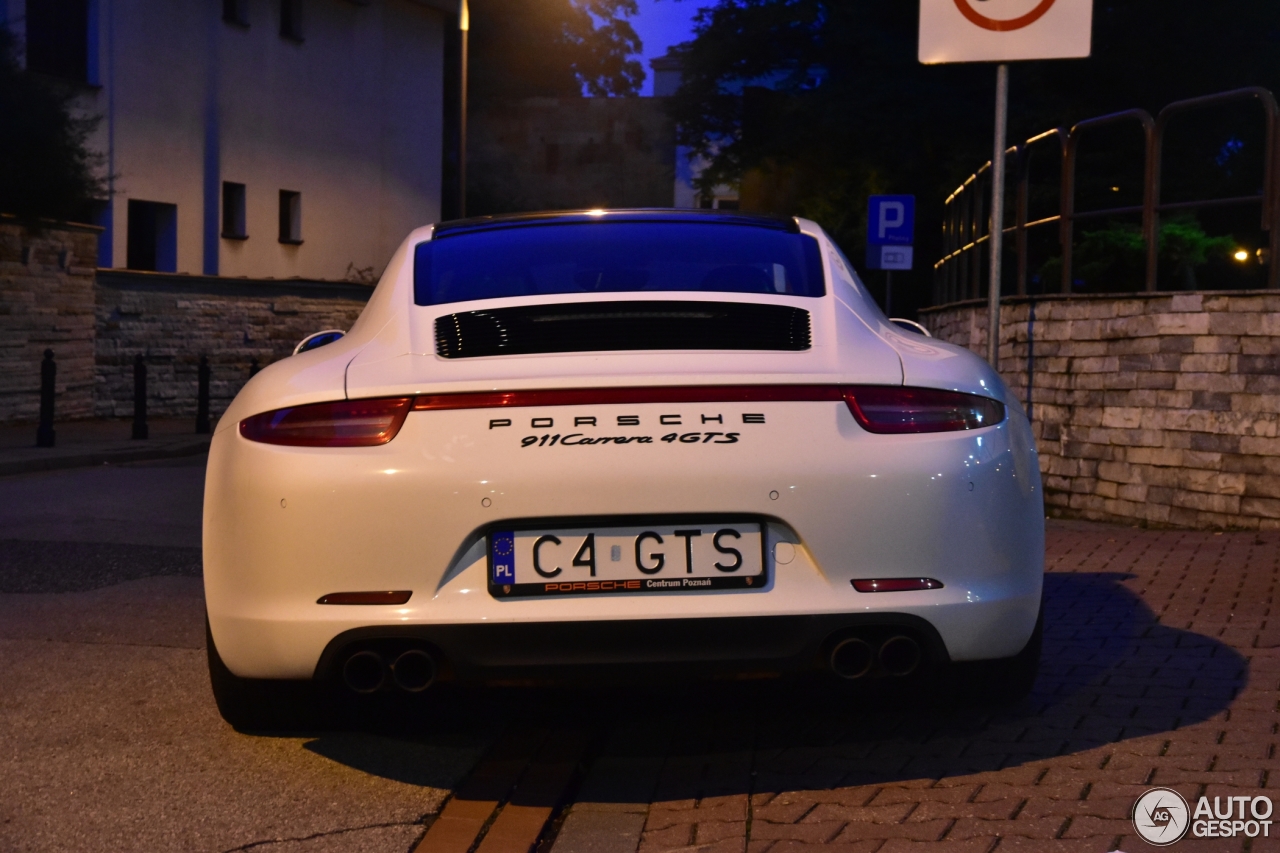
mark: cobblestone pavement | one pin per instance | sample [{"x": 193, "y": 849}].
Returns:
[{"x": 1160, "y": 669}]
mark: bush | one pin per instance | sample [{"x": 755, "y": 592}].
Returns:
[{"x": 1114, "y": 259}]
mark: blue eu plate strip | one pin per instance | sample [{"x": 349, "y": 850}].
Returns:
[{"x": 502, "y": 556}]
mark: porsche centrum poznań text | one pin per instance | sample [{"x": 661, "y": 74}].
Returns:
[{"x": 577, "y": 443}]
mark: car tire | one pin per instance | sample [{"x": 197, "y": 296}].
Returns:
[
  {"x": 1001, "y": 682},
  {"x": 252, "y": 704}
]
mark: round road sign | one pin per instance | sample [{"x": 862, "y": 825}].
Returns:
[{"x": 1003, "y": 26}]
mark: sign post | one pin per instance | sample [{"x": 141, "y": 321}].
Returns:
[
  {"x": 1002, "y": 31},
  {"x": 997, "y": 215},
  {"x": 891, "y": 224}
]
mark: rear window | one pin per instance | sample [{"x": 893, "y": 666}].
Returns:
[{"x": 616, "y": 257}]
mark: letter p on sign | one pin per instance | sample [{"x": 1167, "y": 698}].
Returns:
[
  {"x": 892, "y": 215},
  {"x": 891, "y": 220}
]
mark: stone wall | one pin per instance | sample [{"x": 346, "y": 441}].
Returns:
[
  {"x": 172, "y": 320},
  {"x": 46, "y": 302},
  {"x": 98, "y": 321},
  {"x": 1159, "y": 408}
]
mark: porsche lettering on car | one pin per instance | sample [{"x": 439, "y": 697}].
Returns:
[{"x": 560, "y": 445}]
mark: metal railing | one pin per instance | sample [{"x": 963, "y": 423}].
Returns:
[{"x": 966, "y": 226}]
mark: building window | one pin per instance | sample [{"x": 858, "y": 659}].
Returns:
[
  {"x": 152, "y": 236},
  {"x": 290, "y": 217},
  {"x": 236, "y": 12},
  {"x": 233, "y": 226},
  {"x": 291, "y": 19},
  {"x": 58, "y": 38}
]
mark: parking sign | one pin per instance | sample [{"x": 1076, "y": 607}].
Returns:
[{"x": 891, "y": 222}]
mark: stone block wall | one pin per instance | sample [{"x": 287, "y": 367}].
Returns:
[
  {"x": 98, "y": 321},
  {"x": 46, "y": 302},
  {"x": 1158, "y": 408},
  {"x": 172, "y": 320}
]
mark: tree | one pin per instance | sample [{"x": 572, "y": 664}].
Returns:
[
  {"x": 46, "y": 167},
  {"x": 552, "y": 48},
  {"x": 811, "y": 105},
  {"x": 1115, "y": 258}
]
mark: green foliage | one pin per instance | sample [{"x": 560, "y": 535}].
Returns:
[
  {"x": 552, "y": 48},
  {"x": 1114, "y": 259},
  {"x": 1185, "y": 246},
  {"x": 46, "y": 168}
]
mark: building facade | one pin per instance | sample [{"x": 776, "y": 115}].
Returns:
[
  {"x": 259, "y": 138},
  {"x": 571, "y": 153}
]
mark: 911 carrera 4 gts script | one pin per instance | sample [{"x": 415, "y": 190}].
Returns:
[{"x": 576, "y": 439}]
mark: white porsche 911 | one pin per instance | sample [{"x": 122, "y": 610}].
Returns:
[{"x": 579, "y": 444}]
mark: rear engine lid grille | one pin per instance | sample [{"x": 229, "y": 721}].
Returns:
[{"x": 612, "y": 326}]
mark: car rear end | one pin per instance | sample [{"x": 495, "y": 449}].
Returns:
[{"x": 685, "y": 446}]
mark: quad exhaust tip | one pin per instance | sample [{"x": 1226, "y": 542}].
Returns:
[
  {"x": 900, "y": 655},
  {"x": 854, "y": 657},
  {"x": 414, "y": 671},
  {"x": 364, "y": 672}
]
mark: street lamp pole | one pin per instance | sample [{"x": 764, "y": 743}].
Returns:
[{"x": 464, "y": 28}]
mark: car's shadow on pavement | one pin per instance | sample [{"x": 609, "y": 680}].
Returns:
[{"x": 1110, "y": 672}]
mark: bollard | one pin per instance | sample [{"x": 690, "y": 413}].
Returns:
[
  {"x": 202, "y": 397},
  {"x": 139, "y": 397},
  {"x": 45, "y": 435},
  {"x": 253, "y": 367}
]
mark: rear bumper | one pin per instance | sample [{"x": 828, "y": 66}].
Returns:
[
  {"x": 287, "y": 525},
  {"x": 622, "y": 649}
]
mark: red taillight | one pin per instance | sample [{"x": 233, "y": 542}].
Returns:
[
  {"x": 892, "y": 410},
  {"x": 896, "y": 584},
  {"x": 350, "y": 423}
]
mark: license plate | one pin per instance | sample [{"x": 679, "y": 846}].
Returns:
[{"x": 658, "y": 558}]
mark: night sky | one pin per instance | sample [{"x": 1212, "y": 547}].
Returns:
[{"x": 660, "y": 24}]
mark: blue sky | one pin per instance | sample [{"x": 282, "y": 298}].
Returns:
[{"x": 660, "y": 24}]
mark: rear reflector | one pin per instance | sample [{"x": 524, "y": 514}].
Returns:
[
  {"x": 398, "y": 597},
  {"x": 896, "y": 584},
  {"x": 349, "y": 423}
]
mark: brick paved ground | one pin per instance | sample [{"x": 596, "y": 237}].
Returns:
[{"x": 1161, "y": 667}]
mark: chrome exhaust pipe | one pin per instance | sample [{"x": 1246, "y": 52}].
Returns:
[
  {"x": 900, "y": 655},
  {"x": 414, "y": 671},
  {"x": 364, "y": 672},
  {"x": 851, "y": 658}
]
